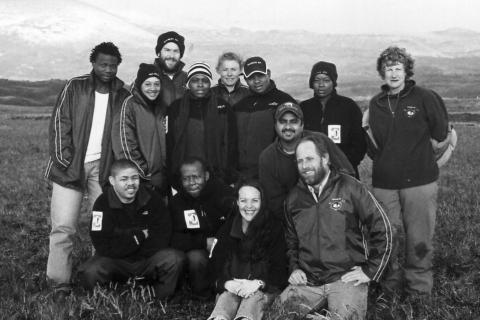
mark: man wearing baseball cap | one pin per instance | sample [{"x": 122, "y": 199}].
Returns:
[
  {"x": 337, "y": 116},
  {"x": 255, "y": 123},
  {"x": 201, "y": 125},
  {"x": 169, "y": 50},
  {"x": 277, "y": 167}
]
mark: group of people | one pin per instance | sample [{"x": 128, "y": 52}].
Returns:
[{"x": 240, "y": 190}]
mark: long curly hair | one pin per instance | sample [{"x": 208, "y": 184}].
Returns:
[
  {"x": 394, "y": 55},
  {"x": 259, "y": 231}
]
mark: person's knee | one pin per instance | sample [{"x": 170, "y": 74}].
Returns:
[
  {"x": 197, "y": 258},
  {"x": 89, "y": 275},
  {"x": 170, "y": 260}
]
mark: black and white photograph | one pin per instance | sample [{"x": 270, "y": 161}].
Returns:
[{"x": 224, "y": 160}]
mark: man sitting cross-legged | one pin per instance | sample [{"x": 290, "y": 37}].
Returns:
[{"x": 130, "y": 231}]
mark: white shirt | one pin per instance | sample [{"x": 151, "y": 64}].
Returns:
[
  {"x": 94, "y": 147},
  {"x": 320, "y": 189}
]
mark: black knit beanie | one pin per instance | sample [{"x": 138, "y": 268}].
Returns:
[
  {"x": 326, "y": 68},
  {"x": 170, "y": 36},
  {"x": 146, "y": 71}
]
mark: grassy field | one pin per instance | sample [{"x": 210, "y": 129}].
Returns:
[{"x": 24, "y": 228}]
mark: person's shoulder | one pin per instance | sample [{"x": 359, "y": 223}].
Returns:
[
  {"x": 308, "y": 103},
  {"x": 268, "y": 152},
  {"x": 78, "y": 81},
  {"x": 102, "y": 203}
]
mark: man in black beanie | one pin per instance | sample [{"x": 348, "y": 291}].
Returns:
[
  {"x": 337, "y": 116},
  {"x": 169, "y": 50}
]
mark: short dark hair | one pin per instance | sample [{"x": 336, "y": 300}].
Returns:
[
  {"x": 107, "y": 48},
  {"x": 320, "y": 146},
  {"x": 121, "y": 164},
  {"x": 394, "y": 55},
  {"x": 191, "y": 161}
]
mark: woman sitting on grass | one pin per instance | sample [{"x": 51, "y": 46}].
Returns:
[{"x": 249, "y": 258}]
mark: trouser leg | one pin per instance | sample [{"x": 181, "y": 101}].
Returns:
[
  {"x": 164, "y": 268},
  {"x": 94, "y": 190},
  {"x": 300, "y": 300},
  {"x": 102, "y": 270},
  {"x": 197, "y": 261},
  {"x": 419, "y": 214},
  {"x": 226, "y": 306},
  {"x": 346, "y": 301},
  {"x": 64, "y": 212},
  {"x": 390, "y": 200}
]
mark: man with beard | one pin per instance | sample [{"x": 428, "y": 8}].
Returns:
[
  {"x": 170, "y": 49},
  {"x": 277, "y": 168},
  {"x": 198, "y": 210},
  {"x": 131, "y": 230},
  {"x": 254, "y": 115},
  {"x": 337, "y": 116},
  {"x": 80, "y": 154},
  {"x": 338, "y": 237}
]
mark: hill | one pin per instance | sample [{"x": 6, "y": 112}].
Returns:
[{"x": 52, "y": 39}]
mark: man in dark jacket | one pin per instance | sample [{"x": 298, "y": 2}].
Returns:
[
  {"x": 254, "y": 115},
  {"x": 198, "y": 210},
  {"x": 338, "y": 237},
  {"x": 80, "y": 153},
  {"x": 277, "y": 167},
  {"x": 169, "y": 50},
  {"x": 202, "y": 125},
  {"x": 337, "y": 116},
  {"x": 130, "y": 231}
]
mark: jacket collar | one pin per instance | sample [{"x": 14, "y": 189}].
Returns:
[
  {"x": 332, "y": 179},
  {"x": 224, "y": 87},
  {"x": 141, "y": 198},
  {"x": 236, "y": 230},
  {"x": 205, "y": 193},
  {"x": 409, "y": 84}
]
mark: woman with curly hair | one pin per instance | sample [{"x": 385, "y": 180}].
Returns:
[
  {"x": 249, "y": 258},
  {"x": 404, "y": 118}
]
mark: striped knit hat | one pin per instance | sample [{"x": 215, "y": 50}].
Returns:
[{"x": 199, "y": 68}]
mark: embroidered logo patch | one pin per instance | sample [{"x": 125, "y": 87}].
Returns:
[
  {"x": 336, "y": 204},
  {"x": 410, "y": 111},
  {"x": 221, "y": 106},
  {"x": 145, "y": 212},
  {"x": 97, "y": 217},
  {"x": 273, "y": 104}
]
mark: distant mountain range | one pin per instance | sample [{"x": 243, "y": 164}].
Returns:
[{"x": 52, "y": 39}]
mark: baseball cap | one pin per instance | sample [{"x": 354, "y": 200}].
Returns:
[
  {"x": 288, "y": 107},
  {"x": 254, "y": 65}
]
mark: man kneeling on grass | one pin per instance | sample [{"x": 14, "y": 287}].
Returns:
[
  {"x": 338, "y": 237},
  {"x": 130, "y": 231}
]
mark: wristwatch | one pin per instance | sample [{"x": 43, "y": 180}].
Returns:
[{"x": 261, "y": 284}]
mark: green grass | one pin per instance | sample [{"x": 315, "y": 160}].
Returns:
[{"x": 24, "y": 228}]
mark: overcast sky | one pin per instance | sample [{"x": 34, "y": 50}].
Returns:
[{"x": 323, "y": 16}]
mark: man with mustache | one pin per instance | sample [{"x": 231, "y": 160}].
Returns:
[
  {"x": 254, "y": 115},
  {"x": 338, "y": 237},
  {"x": 131, "y": 230},
  {"x": 169, "y": 50},
  {"x": 80, "y": 150},
  {"x": 277, "y": 168}
]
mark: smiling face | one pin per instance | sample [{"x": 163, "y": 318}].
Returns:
[
  {"x": 311, "y": 166},
  {"x": 322, "y": 85},
  {"x": 170, "y": 56},
  {"x": 259, "y": 82},
  {"x": 395, "y": 76},
  {"x": 105, "y": 67},
  {"x": 199, "y": 85},
  {"x": 151, "y": 88},
  {"x": 249, "y": 202},
  {"x": 289, "y": 127},
  {"x": 229, "y": 71},
  {"x": 194, "y": 178},
  {"x": 125, "y": 183}
]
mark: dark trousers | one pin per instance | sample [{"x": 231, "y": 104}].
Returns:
[
  {"x": 162, "y": 269},
  {"x": 197, "y": 268}
]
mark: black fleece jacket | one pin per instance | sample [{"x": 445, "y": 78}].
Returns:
[
  {"x": 342, "y": 111},
  {"x": 116, "y": 228},
  {"x": 212, "y": 208}
]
